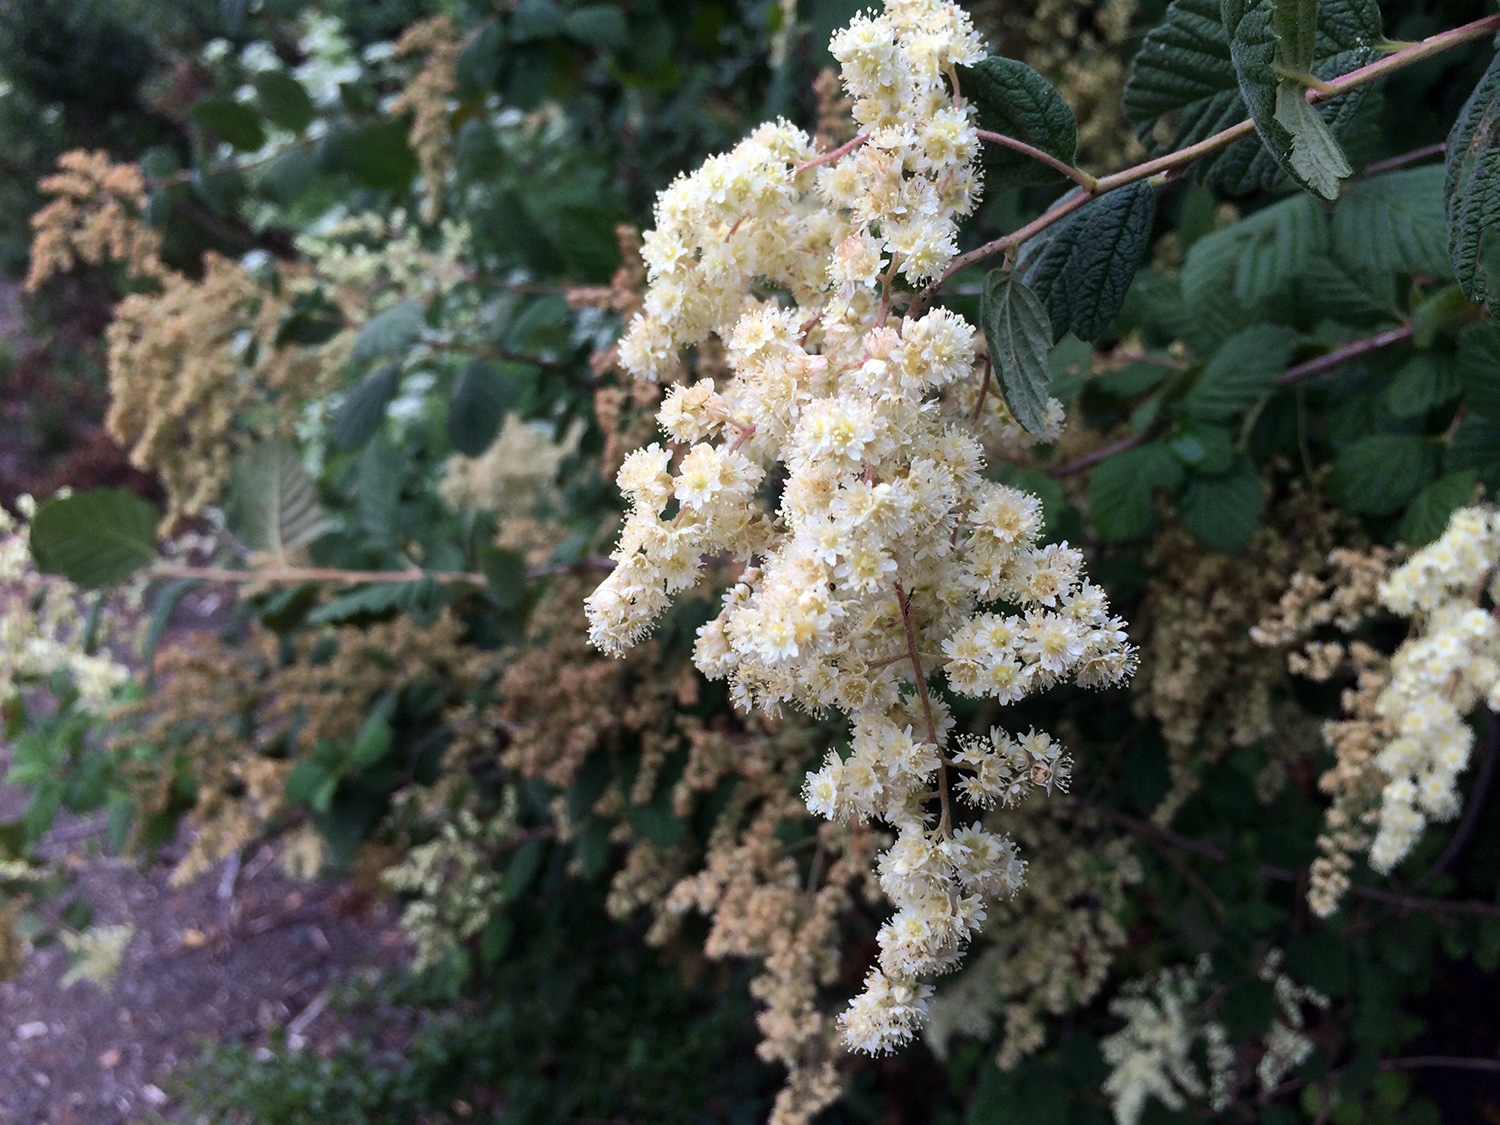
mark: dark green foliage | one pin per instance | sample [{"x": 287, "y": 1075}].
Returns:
[
  {"x": 1015, "y": 101},
  {"x": 1015, "y": 324},
  {"x": 1081, "y": 268},
  {"x": 1472, "y": 189},
  {"x": 94, "y": 538}
]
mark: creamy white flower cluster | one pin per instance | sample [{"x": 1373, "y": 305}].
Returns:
[
  {"x": 1446, "y": 668},
  {"x": 875, "y": 548},
  {"x": 1151, "y": 1056},
  {"x": 42, "y": 625}
]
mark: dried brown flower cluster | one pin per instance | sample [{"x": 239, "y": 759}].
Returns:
[
  {"x": 195, "y": 376},
  {"x": 426, "y": 96},
  {"x": 1203, "y": 678},
  {"x": 564, "y": 702},
  {"x": 237, "y": 717},
  {"x": 1339, "y": 594},
  {"x": 1081, "y": 49},
  {"x": 94, "y": 217}
]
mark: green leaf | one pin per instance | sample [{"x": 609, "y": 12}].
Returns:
[
  {"x": 375, "y": 738},
  {"x": 506, "y": 573},
  {"x": 1476, "y": 445},
  {"x": 311, "y": 785},
  {"x": 1017, "y": 102},
  {"x": 1222, "y": 512},
  {"x": 286, "y": 178},
  {"x": 1020, "y": 338},
  {"x": 1393, "y": 223},
  {"x": 378, "y": 599},
  {"x": 1241, "y": 372},
  {"x": 1082, "y": 267},
  {"x": 1122, "y": 490},
  {"x": 1263, "y": 252},
  {"x": 1471, "y": 188},
  {"x": 393, "y": 330},
  {"x": 378, "y": 493},
  {"x": 525, "y": 863},
  {"x": 1268, "y": 46},
  {"x": 1295, "y": 24},
  {"x": 164, "y": 603},
  {"x": 1378, "y": 475},
  {"x": 1183, "y": 87},
  {"x": 495, "y": 939},
  {"x": 232, "y": 122},
  {"x": 274, "y": 499},
  {"x": 284, "y": 101},
  {"x": 1203, "y": 447},
  {"x": 375, "y": 155},
  {"x": 312, "y": 320},
  {"x": 94, "y": 539},
  {"x": 482, "y": 395},
  {"x": 1427, "y": 381},
  {"x": 1479, "y": 368},
  {"x": 1329, "y": 287},
  {"x": 1427, "y": 517},
  {"x": 598, "y": 25},
  {"x": 363, "y": 409},
  {"x": 535, "y": 19}
]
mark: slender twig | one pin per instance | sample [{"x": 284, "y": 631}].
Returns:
[
  {"x": 1089, "y": 460},
  {"x": 1390, "y": 164},
  {"x": 831, "y": 155},
  {"x": 1077, "y": 175},
  {"x": 297, "y": 575},
  {"x": 903, "y": 599},
  {"x": 1343, "y": 354},
  {"x": 1475, "y": 810},
  {"x": 1417, "y": 1062},
  {"x": 1295, "y": 374},
  {"x": 984, "y": 390},
  {"x": 1175, "y": 161}
]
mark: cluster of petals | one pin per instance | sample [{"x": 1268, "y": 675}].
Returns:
[
  {"x": 1441, "y": 673},
  {"x": 875, "y": 551}
]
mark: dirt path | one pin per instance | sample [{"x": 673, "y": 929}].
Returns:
[{"x": 218, "y": 960}]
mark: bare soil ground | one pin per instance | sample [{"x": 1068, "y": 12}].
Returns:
[{"x": 230, "y": 958}]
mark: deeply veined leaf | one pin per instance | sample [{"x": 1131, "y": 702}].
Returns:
[
  {"x": 1393, "y": 223},
  {"x": 1240, "y": 372},
  {"x": 274, "y": 499},
  {"x": 1081, "y": 268},
  {"x": 94, "y": 539},
  {"x": 1295, "y": 24},
  {"x": 393, "y": 330},
  {"x": 1183, "y": 87},
  {"x": 1264, "y": 251},
  {"x": 1292, "y": 130},
  {"x": 1122, "y": 490},
  {"x": 1223, "y": 511},
  {"x": 1378, "y": 475},
  {"x": 363, "y": 409},
  {"x": 1016, "y": 101},
  {"x": 1020, "y": 338},
  {"x": 1472, "y": 190}
]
